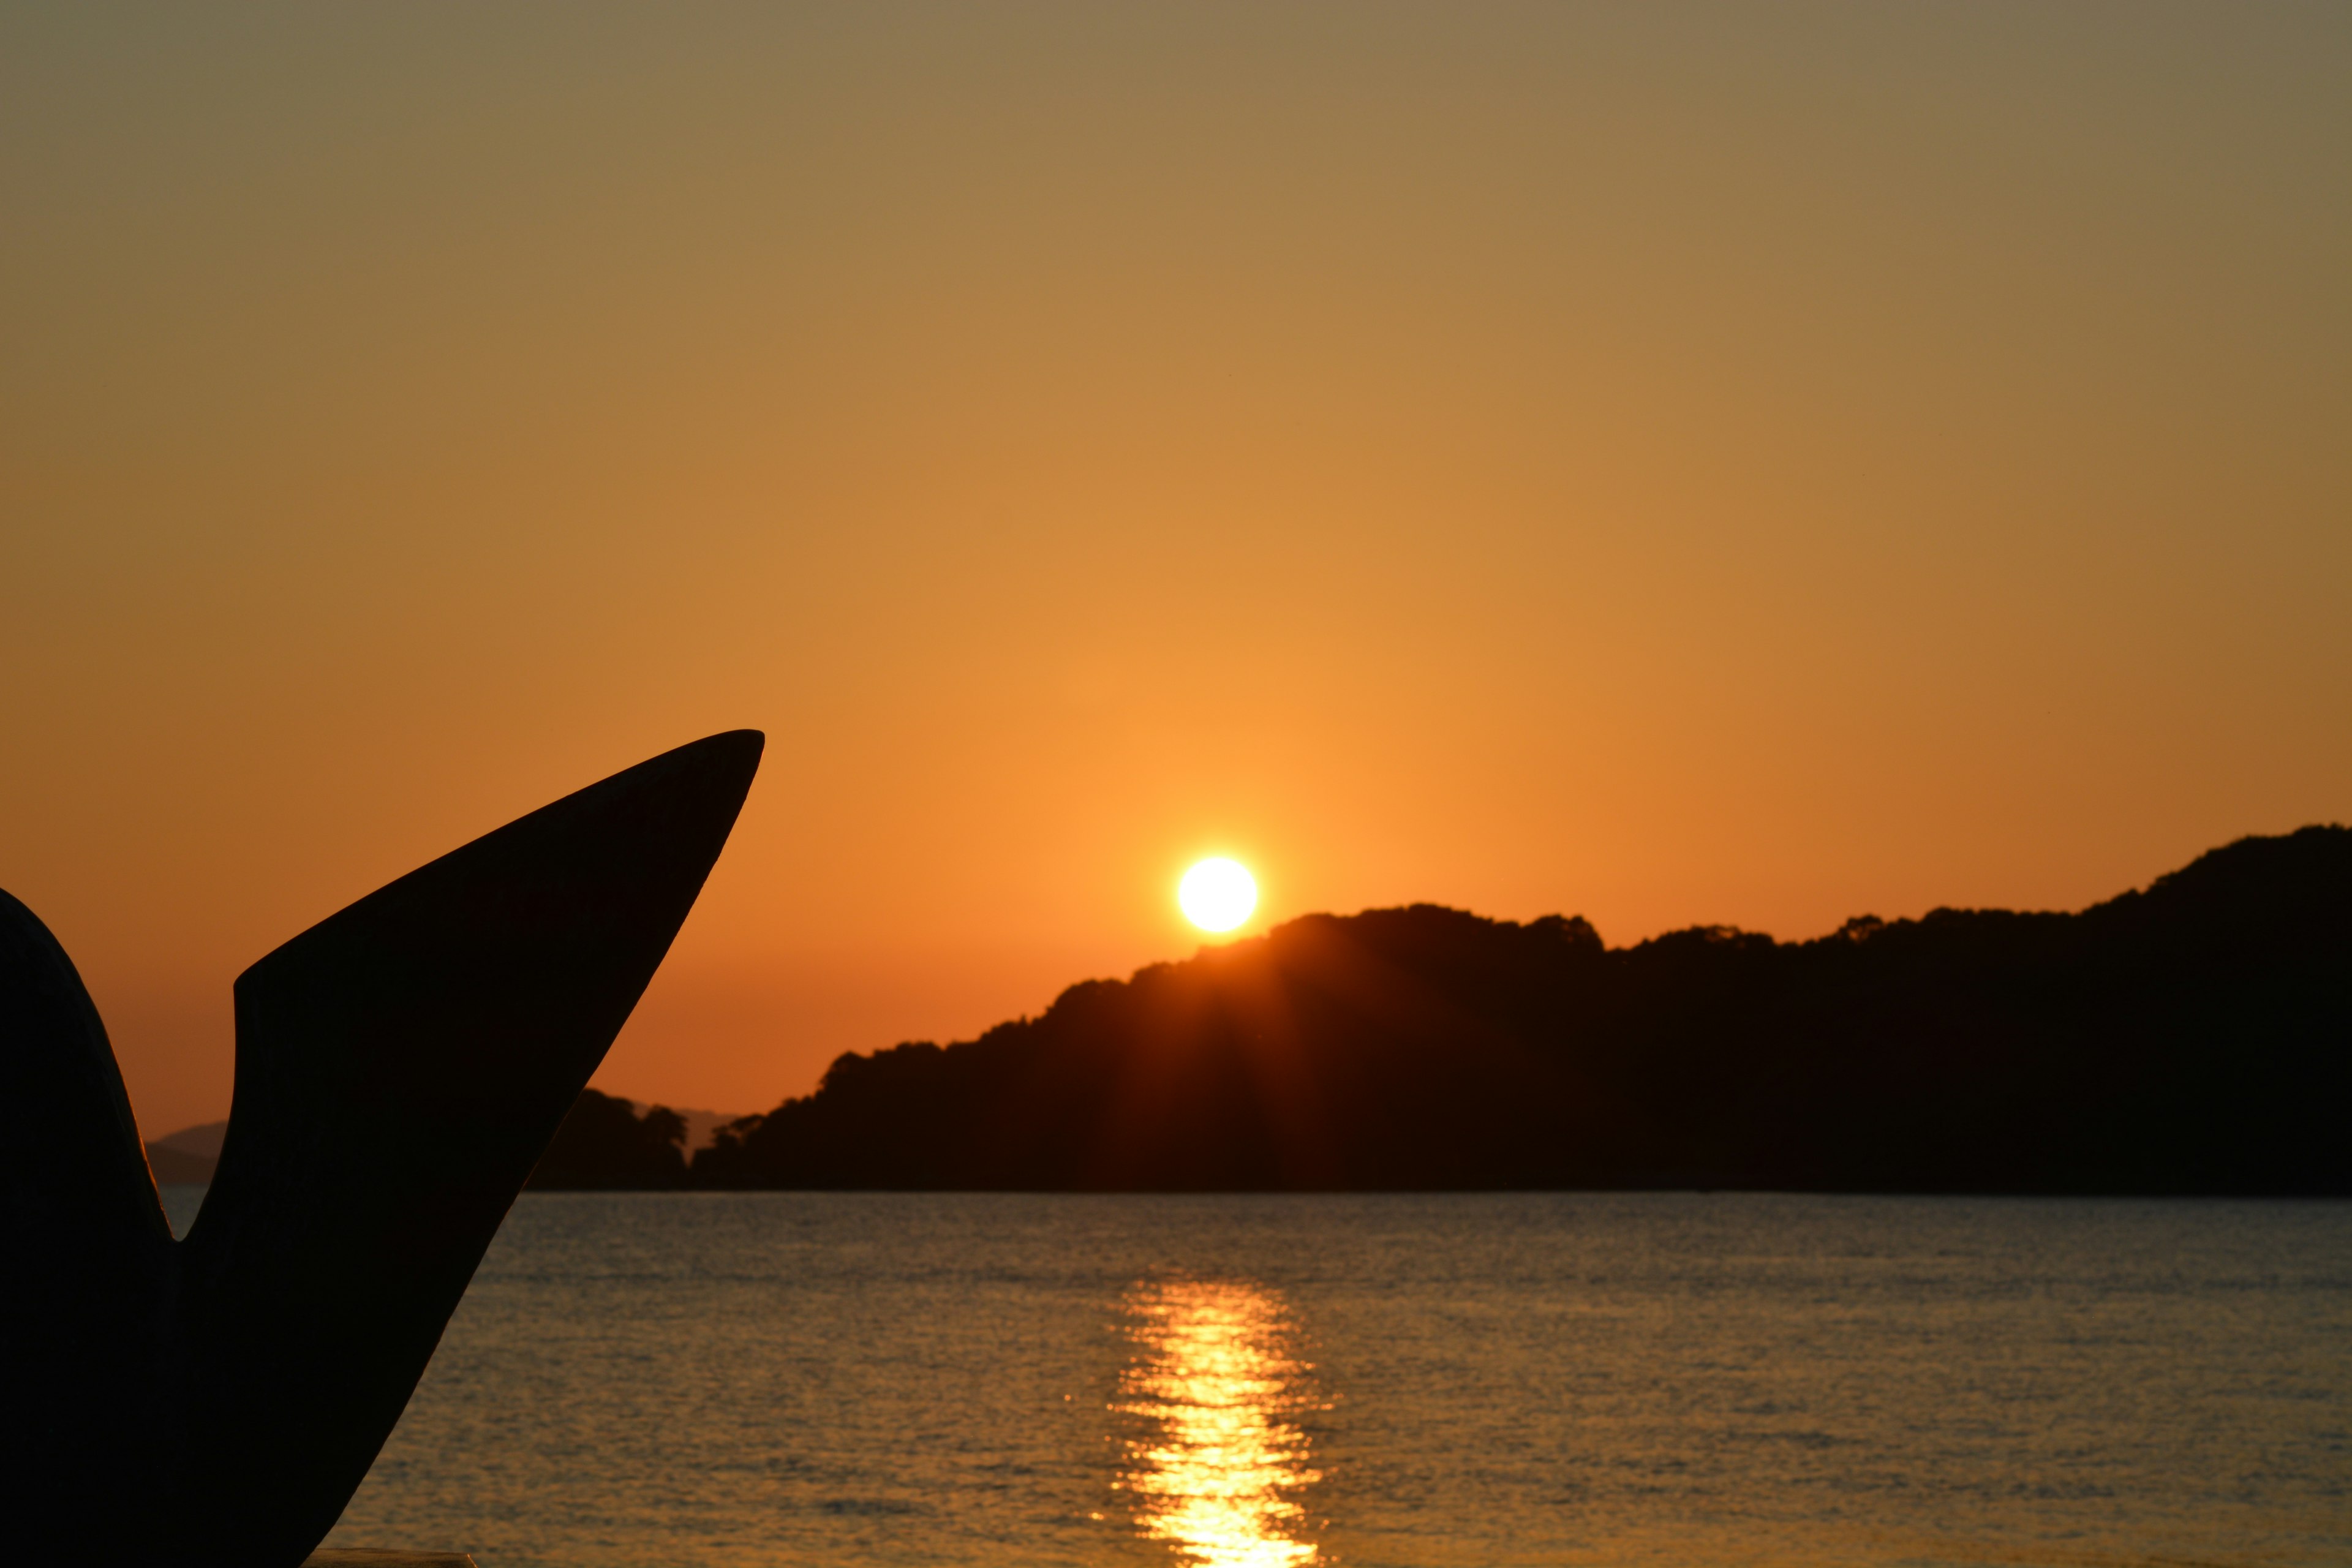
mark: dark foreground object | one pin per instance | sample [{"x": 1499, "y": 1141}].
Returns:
[
  {"x": 2192, "y": 1038},
  {"x": 400, "y": 1066}
]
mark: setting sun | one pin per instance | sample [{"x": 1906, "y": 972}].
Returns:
[{"x": 1217, "y": 894}]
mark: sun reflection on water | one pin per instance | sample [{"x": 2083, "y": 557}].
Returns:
[{"x": 1218, "y": 1467}]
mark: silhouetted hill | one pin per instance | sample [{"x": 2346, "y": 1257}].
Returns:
[
  {"x": 605, "y": 1145},
  {"x": 2190, "y": 1038}
]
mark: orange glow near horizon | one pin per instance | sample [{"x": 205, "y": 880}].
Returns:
[
  {"x": 1700, "y": 464},
  {"x": 1222, "y": 1466}
]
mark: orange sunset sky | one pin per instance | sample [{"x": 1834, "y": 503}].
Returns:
[{"x": 1669, "y": 463}]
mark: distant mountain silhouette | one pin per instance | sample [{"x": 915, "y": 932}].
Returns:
[
  {"x": 176, "y": 1168},
  {"x": 603, "y": 1143},
  {"x": 2195, "y": 1037},
  {"x": 186, "y": 1158}
]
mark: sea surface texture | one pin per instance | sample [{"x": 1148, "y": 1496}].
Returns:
[{"x": 1573, "y": 1379}]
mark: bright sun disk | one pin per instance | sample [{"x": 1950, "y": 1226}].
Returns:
[{"x": 1217, "y": 894}]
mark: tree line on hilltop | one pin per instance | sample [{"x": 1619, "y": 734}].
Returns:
[{"x": 2193, "y": 1037}]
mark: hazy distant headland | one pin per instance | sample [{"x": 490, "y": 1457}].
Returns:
[
  {"x": 604, "y": 1142},
  {"x": 2194, "y": 1037}
]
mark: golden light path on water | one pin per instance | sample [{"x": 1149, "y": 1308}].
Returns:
[{"x": 1219, "y": 1466}]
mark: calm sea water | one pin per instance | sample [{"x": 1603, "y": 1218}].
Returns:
[{"x": 1362, "y": 1382}]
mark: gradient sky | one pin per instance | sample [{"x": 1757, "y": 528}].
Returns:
[{"x": 1673, "y": 464}]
